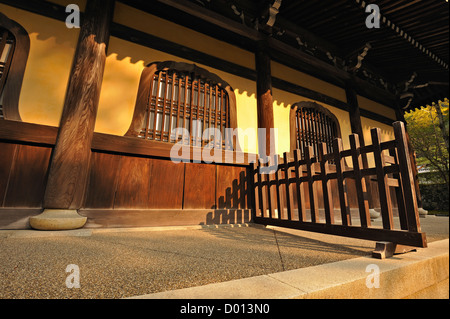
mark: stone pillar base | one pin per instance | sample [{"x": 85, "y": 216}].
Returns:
[
  {"x": 422, "y": 212},
  {"x": 374, "y": 213},
  {"x": 58, "y": 219}
]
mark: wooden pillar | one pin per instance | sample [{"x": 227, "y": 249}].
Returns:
[
  {"x": 69, "y": 167},
  {"x": 355, "y": 117},
  {"x": 264, "y": 97},
  {"x": 356, "y": 126}
]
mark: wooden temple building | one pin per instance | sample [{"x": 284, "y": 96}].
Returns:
[{"x": 90, "y": 101}]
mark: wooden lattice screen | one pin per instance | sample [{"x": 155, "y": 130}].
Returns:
[
  {"x": 313, "y": 125},
  {"x": 172, "y": 97}
]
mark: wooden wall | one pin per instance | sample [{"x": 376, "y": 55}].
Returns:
[
  {"x": 125, "y": 190},
  {"x": 131, "y": 182}
]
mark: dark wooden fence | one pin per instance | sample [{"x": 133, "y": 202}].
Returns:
[{"x": 287, "y": 190}]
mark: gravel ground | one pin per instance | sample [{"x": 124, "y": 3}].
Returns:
[{"x": 125, "y": 264}]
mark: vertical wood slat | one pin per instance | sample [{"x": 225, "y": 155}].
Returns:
[
  {"x": 276, "y": 162},
  {"x": 288, "y": 187},
  {"x": 256, "y": 189},
  {"x": 216, "y": 106},
  {"x": 204, "y": 142},
  {"x": 227, "y": 111},
  {"x": 382, "y": 180},
  {"x": 310, "y": 171},
  {"x": 149, "y": 105},
  {"x": 197, "y": 116},
  {"x": 221, "y": 116},
  {"x": 193, "y": 132},
  {"x": 309, "y": 140},
  {"x": 263, "y": 190},
  {"x": 407, "y": 178},
  {"x": 320, "y": 131},
  {"x": 299, "y": 187},
  {"x": 399, "y": 194},
  {"x": 361, "y": 190},
  {"x": 158, "y": 85},
  {"x": 172, "y": 92},
  {"x": 186, "y": 81},
  {"x": 340, "y": 164},
  {"x": 210, "y": 108},
  {"x": 191, "y": 111},
  {"x": 163, "y": 114},
  {"x": 305, "y": 131},
  {"x": 271, "y": 194},
  {"x": 178, "y": 108},
  {"x": 266, "y": 189},
  {"x": 329, "y": 140},
  {"x": 316, "y": 133},
  {"x": 299, "y": 131},
  {"x": 326, "y": 187}
]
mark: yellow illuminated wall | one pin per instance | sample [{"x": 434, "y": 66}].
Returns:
[
  {"x": 281, "y": 117},
  {"x": 124, "y": 65},
  {"x": 53, "y": 46},
  {"x": 375, "y": 107}
]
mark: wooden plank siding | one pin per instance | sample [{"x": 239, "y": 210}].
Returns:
[{"x": 124, "y": 188}]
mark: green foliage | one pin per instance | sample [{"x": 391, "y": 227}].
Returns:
[
  {"x": 428, "y": 129},
  {"x": 435, "y": 196}
]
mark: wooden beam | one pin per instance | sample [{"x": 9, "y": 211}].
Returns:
[
  {"x": 356, "y": 126},
  {"x": 281, "y": 51},
  {"x": 264, "y": 96},
  {"x": 355, "y": 115},
  {"x": 212, "y": 17},
  {"x": 70, "y": 162},
  {"x": 416, "y": 239}
]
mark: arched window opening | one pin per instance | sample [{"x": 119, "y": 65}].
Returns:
[
  {"x": 14, "y": 49},
  {"x": 179, "y": 95},
  {"x": 312, "y": 125},
  {"x": 7, "y": 44}
]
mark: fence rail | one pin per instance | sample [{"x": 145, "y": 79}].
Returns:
[{"x": 288, "y": 190}]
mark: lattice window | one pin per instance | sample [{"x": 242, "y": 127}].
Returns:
[
  {"x": 314, "y": 125},
  {"x": 7, "y": 45},
  {"x": 182, "y": 98}
]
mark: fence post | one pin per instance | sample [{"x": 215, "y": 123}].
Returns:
[
  {"x": 406, "y": 174},
  {"x": 382, "y": 180},
  {"x": 340, "y": 163},
  {"x": 257, "y": 187},
  {"x": 310, "y": 171},
  {"x": 277, "y": 184},
  {"x": 361, "y": 190},
  {"x": 326, "y": 187},
  {"x": 289, "y": 187},
  {"x": 300, "y": 194}
]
